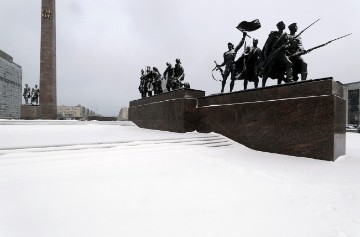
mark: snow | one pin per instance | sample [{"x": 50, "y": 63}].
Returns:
[{"x": 70, "y": 178}]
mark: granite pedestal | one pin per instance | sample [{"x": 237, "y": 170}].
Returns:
[
  {"x": 300, "y": 119},
  {"x": 305, "y": 119},
  {"x": 172, "y": 111},
  {"x": 29, "y": 112}
]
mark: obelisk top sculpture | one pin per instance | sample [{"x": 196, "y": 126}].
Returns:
[{"x": 48, "y": 103}]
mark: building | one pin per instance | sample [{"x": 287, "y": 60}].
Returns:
[
  {"x": 10, "y": 87},
  {"x": 74, "y": 112},
  {"x": 352, "y": 96},
  {"x": 123, "y": 114}
]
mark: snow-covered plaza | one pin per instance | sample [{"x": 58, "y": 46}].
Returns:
[{"x": 71, "y": 178}]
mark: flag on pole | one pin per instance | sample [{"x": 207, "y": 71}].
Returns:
[{"x": 249, "y": 25}]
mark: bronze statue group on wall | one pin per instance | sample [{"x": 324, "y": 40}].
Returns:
[
  {"x": 152, "y": 82},
  {"x": 32, "y": 94},
  {"x": 281, "y": 57}
]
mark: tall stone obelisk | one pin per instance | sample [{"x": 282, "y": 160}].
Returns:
[{"x": 48, "y": 103}]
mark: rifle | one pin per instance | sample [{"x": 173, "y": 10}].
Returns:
[
  {"x": 216, "y": 68},
  {"x": 278, "y": 50},
  {"x": 304, "y": 29},
  {"x": 316, "y": 47}
]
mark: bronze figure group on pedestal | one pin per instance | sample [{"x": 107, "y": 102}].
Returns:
[
  {"x": 280, "y": 58},
  {"x": 151, "y": 80},
  {"x": 32, "y": 94}
]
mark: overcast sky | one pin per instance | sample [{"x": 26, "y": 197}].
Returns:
[{"x": 103, "y": 45}]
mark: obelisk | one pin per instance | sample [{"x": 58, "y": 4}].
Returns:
[{"x": 48, "y": 103}]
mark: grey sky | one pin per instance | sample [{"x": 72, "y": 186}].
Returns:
[{"x": 103, "y": 45}]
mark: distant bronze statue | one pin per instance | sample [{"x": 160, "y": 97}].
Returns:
[
  {"x": 275, "y": 58},
  {"x": 156, "y": 76},
  {"x": 179, "y": 75},
  {"x": 229, "y": 57},
  {"x": 169, "y": 76},
  {"x": 26, "y": 93},
  {"x": 35, "y": 92},
  {"x": 295, "y": 47},
  {"x": 149, "y": 81},
  {"x": 142, "y": 89},
  {"x": 187, "y": 85},
  {"x": 142, "y": 86}
]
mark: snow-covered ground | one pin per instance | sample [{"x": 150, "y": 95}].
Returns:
[{"x": 69, "y": 178}]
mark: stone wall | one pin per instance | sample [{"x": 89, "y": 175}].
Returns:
[
  {"x": 171, "y": 111},
  {"x": 304, "y": 119},
  {"x": 301, "y": 119}
]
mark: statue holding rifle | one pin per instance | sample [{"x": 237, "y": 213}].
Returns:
[
  {"x": 316, "y": 47},
  {"x": 296, "y": 46},
  {"x": 179, "y": 75},
  {"x": 168, "y": 75},
  {"x": 276, "y": 63},
  {"x": 275, "y": 57}
]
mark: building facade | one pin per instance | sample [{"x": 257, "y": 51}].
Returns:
[
  {"x": 10, "y": 87},
  {"x": 123, "y": 114},
  {"x": 74, "y": 112},
  {"x": 352, "y": 96}
]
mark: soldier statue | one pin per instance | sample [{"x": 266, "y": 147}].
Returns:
[
  {"x": 26, "y": 93},
  {"x": 274, "y": 56},
  {"x": 296, "y": 46},
  {"x": 35, "y": 92},
  {"x": 247, "y": 65},
  {"x": 149, "y": 81},
  {"x": 169, "y": 76},
  {"x": 155, "y": 74},
  {"x": 179, "y": 75},
  {"x": 142, "y": 87},
  {"x": 252, "y": 65},
  {"x": 229, "y": 57}
]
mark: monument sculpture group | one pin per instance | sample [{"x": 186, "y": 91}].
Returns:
[
  {"x": 151, "y": 80},
  {"x": 32, "y": 94},
  {"x": 305, "y": 119},
  {"x": 301, "y": 119},
  {"x": 281, "y": 57}
]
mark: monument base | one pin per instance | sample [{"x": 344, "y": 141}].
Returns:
[
  {"x": 173, "y": 111},
  {"x": 304, "y": 119},
  {"x": 29, "y": 112}
]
